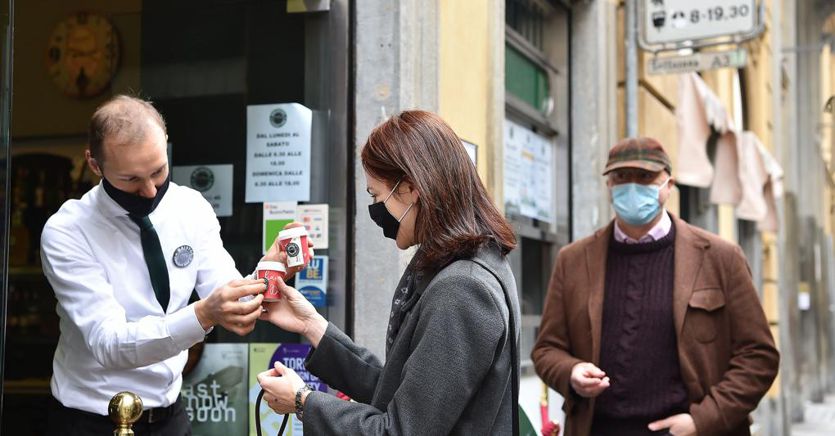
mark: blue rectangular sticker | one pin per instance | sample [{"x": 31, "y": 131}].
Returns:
[{"x": 312, "y": 282}]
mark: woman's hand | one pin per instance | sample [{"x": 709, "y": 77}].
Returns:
[
  {"x": 292, "y": 312},
  {"x": 280, "y": 385},
  {"x": 276, "y": 254}
]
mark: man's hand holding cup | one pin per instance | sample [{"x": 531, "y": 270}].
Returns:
[{"x": 235, "y": 306}]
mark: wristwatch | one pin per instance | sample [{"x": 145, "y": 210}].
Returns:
[{"x": 299, "y": 405}]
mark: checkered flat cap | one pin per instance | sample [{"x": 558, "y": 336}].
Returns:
[{"x": 644, "y": 153}]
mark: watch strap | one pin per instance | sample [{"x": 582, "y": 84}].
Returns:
[{"x": 299, "y": 405}]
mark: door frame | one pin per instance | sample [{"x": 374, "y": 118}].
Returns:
[{"x": 6, "y": 56}]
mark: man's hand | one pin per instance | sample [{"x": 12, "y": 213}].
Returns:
[
  {"x": 276, "y": 254},
  {"x": 588, "y": 380},
  {"x": 678, "y": 425},
  {"x": 222, "y": 307}
]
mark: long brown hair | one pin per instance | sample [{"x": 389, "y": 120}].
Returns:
[{"x": 455, "y": 215}]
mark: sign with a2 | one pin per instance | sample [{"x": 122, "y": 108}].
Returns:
[{"x": 670, "y": 21}]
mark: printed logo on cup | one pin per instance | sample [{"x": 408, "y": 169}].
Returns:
[
  {"x": 293, "y": 249},
  {"x": 294, "y": 243},
  {"x": 271, "y": 271}
]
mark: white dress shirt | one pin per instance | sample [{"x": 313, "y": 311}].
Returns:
[
  {"x": 114, "y": 334},
  {"x": 658, "y": 231}
]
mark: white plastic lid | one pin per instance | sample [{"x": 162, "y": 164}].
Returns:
[
  {"x": 267, "y": 265},
  {"x": 292, "y": 233}
]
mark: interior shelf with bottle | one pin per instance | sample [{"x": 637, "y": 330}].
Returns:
[{"x": 44, "y": 174}]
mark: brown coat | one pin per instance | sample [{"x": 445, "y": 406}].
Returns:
[{"x": 726, "y": 351}]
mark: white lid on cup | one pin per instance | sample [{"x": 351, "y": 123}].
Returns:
[
  {"x": 267, "y": 265},
  {"x": 292, "y": 232}
]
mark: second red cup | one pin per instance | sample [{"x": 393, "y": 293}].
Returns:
[{"x": 271, "y": 271}]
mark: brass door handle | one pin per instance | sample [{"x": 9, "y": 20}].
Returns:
[{"x": 124, "y": 409}]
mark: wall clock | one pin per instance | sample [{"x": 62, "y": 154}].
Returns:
[{"x": 83, "y": 54}]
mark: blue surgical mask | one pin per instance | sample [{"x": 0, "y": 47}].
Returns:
[{"x": 635, "y": 203}]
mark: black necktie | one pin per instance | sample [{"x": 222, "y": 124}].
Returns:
[{"x": 152, "y": 250}]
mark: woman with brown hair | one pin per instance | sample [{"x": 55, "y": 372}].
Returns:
[{"x": 451, "y": 360}]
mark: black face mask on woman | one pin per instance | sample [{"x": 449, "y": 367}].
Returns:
[
  {"x": 384, "y": 218},
  {"x": 136, "y": 204}
]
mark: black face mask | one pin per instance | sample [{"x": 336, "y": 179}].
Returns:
[
  {"x": 384, "y": 218},
  {"x": 136, "y": 204}
]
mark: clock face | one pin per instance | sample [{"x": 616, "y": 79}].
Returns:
[{"x": 83, "y": 54}]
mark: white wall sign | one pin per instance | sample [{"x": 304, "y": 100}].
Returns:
[
  {"x": 472, "y": 151},
  {"x": 697, "y": 62},
  {"x": 668, "y": 21},
  {"x": 528, "y": 173},
  {"x": 278, "y": 152},
  {"x": 804, "y": 301},
  {"x": 213, "y": 181}
]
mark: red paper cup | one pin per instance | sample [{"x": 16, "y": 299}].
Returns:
[
  {"x": 294, "y": 243},
  {"x": 271, "y": 271}
]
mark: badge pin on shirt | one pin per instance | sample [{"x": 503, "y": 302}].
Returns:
[{"x": 183, "y": 256}]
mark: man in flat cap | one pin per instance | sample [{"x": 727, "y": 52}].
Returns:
[{"x": 651, "y": 325}]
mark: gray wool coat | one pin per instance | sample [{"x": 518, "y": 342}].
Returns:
[{"x": 448, "y": 370}]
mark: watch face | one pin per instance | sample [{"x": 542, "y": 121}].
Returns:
[{"x": 83, "y": 54}]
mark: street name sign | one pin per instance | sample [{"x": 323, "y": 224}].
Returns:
[{"x": 697, "y": 62}]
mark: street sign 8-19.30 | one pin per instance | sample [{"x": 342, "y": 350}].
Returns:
[{"x": 669, "y": 21}]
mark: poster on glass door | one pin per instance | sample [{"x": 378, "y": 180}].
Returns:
[
  {"x": 215, "y": 391},
  {"x": 528, "y": 173},
  {"x": 278, "y": 152},
  {"x": 214, "y": 182}
]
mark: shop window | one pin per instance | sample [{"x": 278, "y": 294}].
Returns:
[
  {"x": 527, "y": 17},
  {"x": 695, "y": 206},
  {"x": 532, "y": 262},
  {"x": 535, "y": 273},
  {"x": 752, "y": 246},
  {"x": 535, "y": 155},
  {"x": 202, "y": 63},
  {"x": 748, "y": 236},
  {"x": 525, "y": 79}
]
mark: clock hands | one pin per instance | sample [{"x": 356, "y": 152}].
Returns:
[{"x": 81, "y": 81}]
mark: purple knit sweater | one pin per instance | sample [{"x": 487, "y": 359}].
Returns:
[{"x": 638, "y": 347}]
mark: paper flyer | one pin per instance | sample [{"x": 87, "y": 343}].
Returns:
[
  {"x": 215, "y": 392},
  {"x": 312, "y": 281},
  {"x": 276, "y": 216},
  {"x": 315, "y": 220},
  {"x": 278, "y": 152},
  {"x": 528, "y": 173}
]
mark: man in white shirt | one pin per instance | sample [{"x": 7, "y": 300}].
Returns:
[{"x": 123, "y": 261}]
